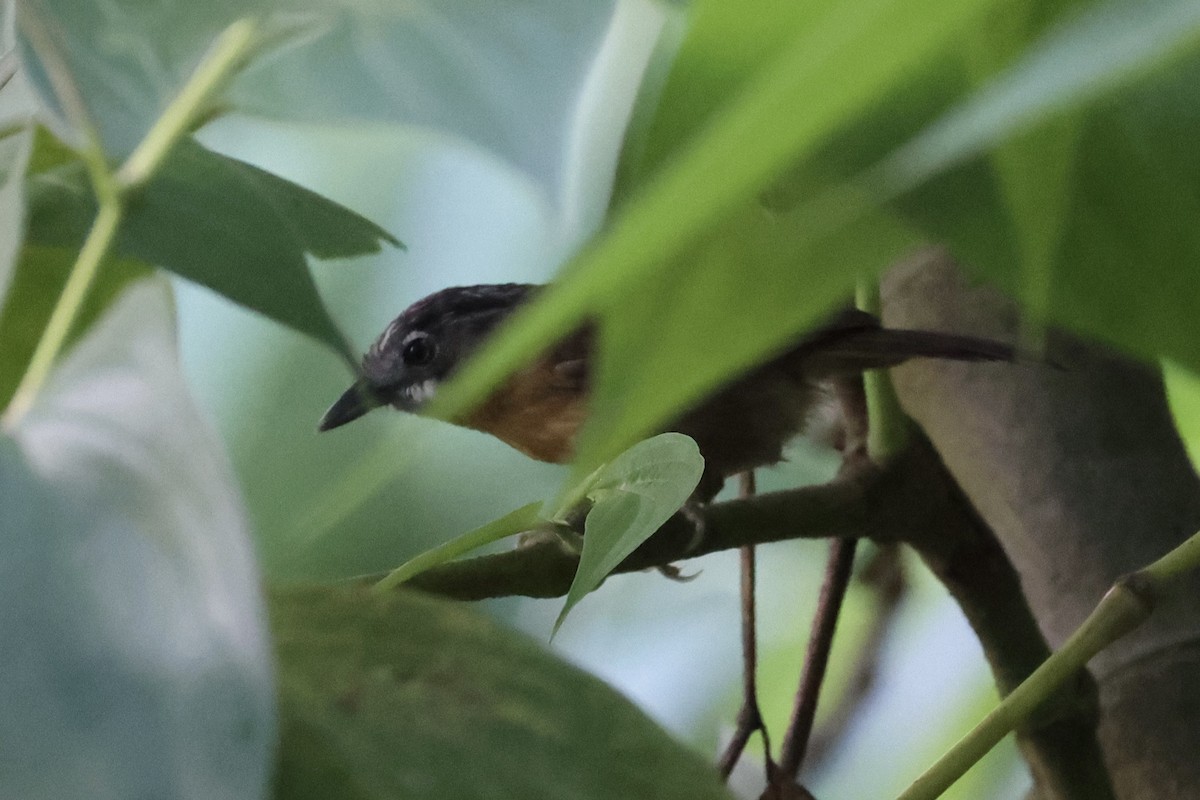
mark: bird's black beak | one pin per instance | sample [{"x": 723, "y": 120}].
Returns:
[{"x": 354, "y": 402}]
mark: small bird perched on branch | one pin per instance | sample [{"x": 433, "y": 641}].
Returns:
[{"x": 540, "y": 409}]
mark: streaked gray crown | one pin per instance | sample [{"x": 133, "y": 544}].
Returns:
[{"x": 441, "y": 330}]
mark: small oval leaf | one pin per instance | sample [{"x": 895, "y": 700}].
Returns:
[{"x": 632, "y": 496}]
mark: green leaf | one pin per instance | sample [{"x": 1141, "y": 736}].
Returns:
[
  {"x": 456, "y": 67},
  {"x": 725, "y": 47},
  {"x": 632, "y": 496},
  {"x": 115, "y": 66},
  {"x": 223, "y": 224},
  {"x": 129, "y": 582},
  {"x": 14, "y": 157},
  {"x": 827, "y": 73},
  {"x": 1183, "y": 390},
  {"x": 322, "y": 227},
  {"x": 32, "y": 294},
  {"x": 1105, "y": 49},
  {"x": 1091, "y": 207},
  {"x": 512, "y": 523},
  {"x": 31, "y": 277},
  {"x": 405, "y": 696},
  {"x": 747, "y": 290}
]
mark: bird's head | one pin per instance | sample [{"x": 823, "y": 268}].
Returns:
[{"x": 424, "y": 346}]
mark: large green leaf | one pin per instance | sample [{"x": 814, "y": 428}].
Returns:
[
  {"x": 1084, "y": 57},
  {"x": 221, "y": 223},
  {"x": 1059, "y": 232},
  {"x": 742, "y": 292},
  {"x": 726, "y": 46},
  {"x": 137, "y": 662},
  {"x": 405, "y": 696},
  {"x": 829, "y": 71},
  {"x": 116, "y": 65},
  {"x": 513, "y": 78},
  {"x": 1087, "y": 211}
]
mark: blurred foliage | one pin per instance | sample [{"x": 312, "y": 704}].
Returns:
[
  {"x": 222, "y": 223},
  {"x": 887, "y": 76},
  {"x": 138, "y": 664},
  {"x": 1183, "y": 390},
  {"x": 368, "y": 714},
  {"x": 775, "y": 152}
]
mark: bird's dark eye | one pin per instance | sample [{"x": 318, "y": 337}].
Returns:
[{"x": 418, "y": 350}]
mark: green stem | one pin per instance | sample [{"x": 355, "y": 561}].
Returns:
[
  {"x": 523, "y": 519},
  {"x": 1126, "y": 605},
  {"x": 226, "y": 55},
  {"x": 95, "y": 247},
  {"x": 1180, "y": 561},
  {"x": 887, "y": 431}
]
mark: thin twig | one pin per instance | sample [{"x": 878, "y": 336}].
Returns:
[
  {"x": 816, "y": 660},
  {"x": 885, "y": 578},
  {"x": 749, "y": 718},
  {"x": 853, "y": 403},
  {"x": 850, "y": 506}
]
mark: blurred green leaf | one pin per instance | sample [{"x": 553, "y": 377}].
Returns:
[
  {"x": 14, "y": 157},
  {"x": 405, "y": 696},
  {"x": 1089, "y": 212},
  {"x": 48, "y": 152},
  {"x": 115, "y": 65},
  {"x": 1126, "y": 269},
  {"x": 223, "y": 224},
  {"x": 32, "y": 280},
  {"x": 1183, "y": 390},
  {"x": 32, "y": 294},
  {"x": 128, "y": 579},
  {"x": 827, "y": 74},
  {"x": 724, "y": 48},
  {"x": 632, "y": 496},
  {"x": 746, "y": 290},
  {"x": 461, "y": 68},
  {"x": 1083, "y": 58},
  {"x": 1033, "y": 170}
]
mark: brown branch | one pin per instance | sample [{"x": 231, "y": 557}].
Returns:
[
  {"x": 912, "y": 500},
  {"x": 866, "y": 503},
  {"x": 816, "y": 659},
  {"x": 749, "y": 718},
  {"x": 1060, "y": 745},
  {"x": 884, "y": 577}
]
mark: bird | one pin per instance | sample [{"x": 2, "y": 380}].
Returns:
[{"x": 539, "y": 410}]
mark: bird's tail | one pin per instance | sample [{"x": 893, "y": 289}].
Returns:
[{"x": 857, "y": 341}]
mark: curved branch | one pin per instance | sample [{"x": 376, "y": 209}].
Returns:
[{"x": 849, "y": 507}]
